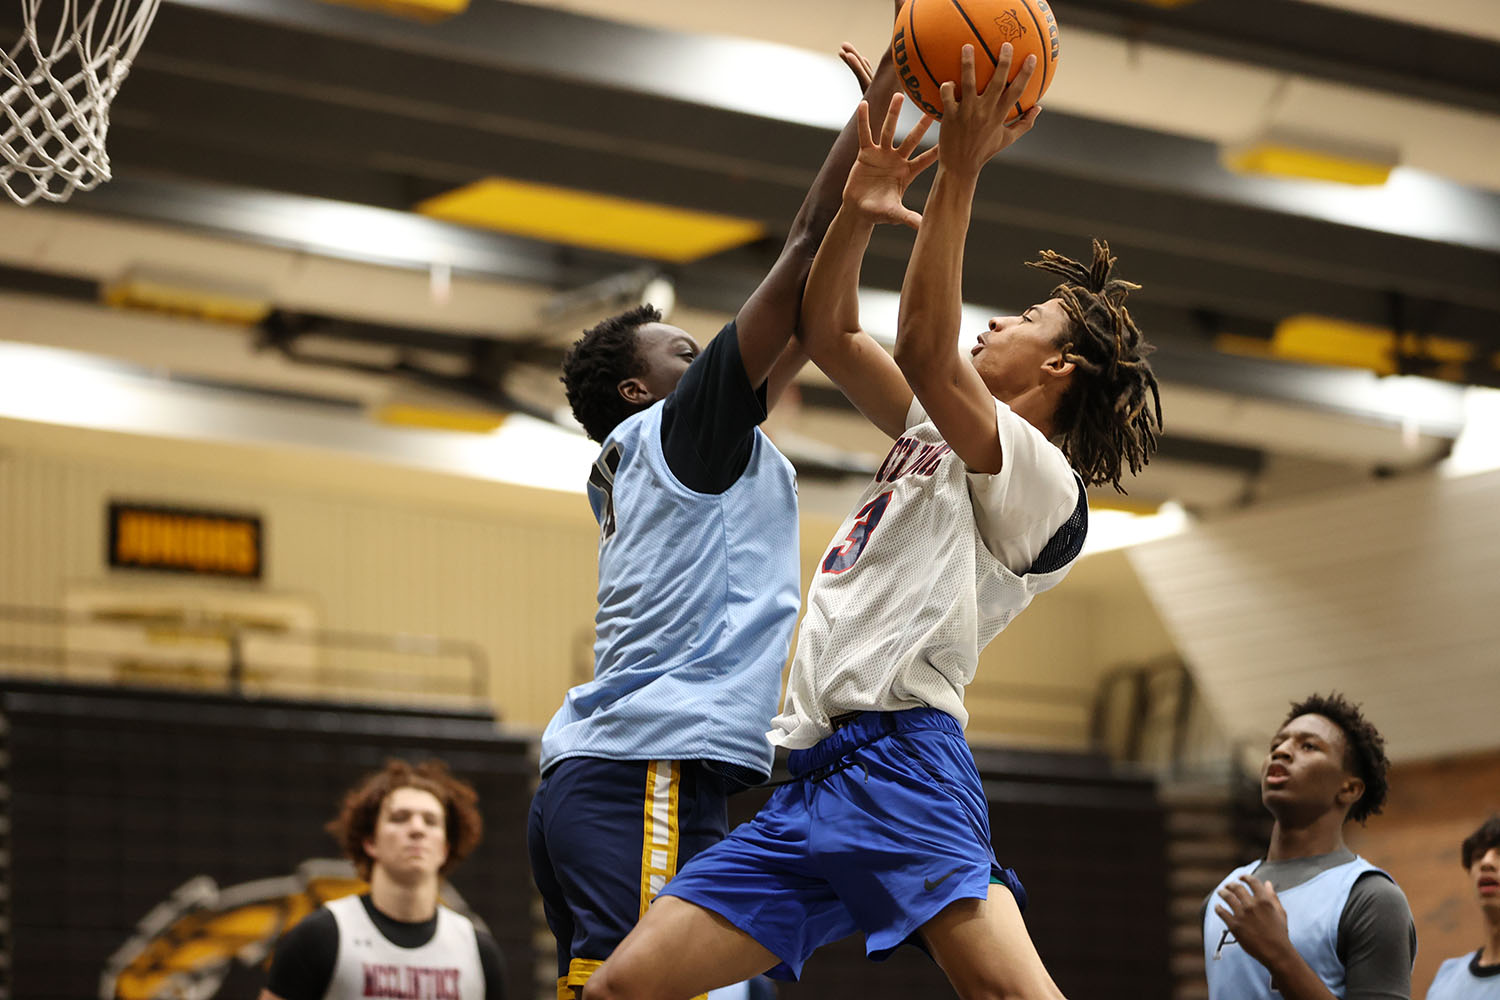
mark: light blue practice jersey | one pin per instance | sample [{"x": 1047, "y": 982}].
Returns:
[
  {"x": 1457, "y": 979},
  {"x": 1312, "y": 909},
  {"x": 698, "y": 594}
]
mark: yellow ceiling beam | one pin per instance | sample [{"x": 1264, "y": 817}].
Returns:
[
  {"x": 1322, "y": 340},
  {"x": 434, "y": 419},
  {"x": 419, "y": 10},
  {"x": 595, "y": 221},
  {"x": 186, "y": 296},
  {"x": 1284, "y": 152}
]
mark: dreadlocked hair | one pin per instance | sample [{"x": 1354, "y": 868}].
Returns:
[
  {"x": 597, "y": 363},
  {"x": 1112, "y": 414}
]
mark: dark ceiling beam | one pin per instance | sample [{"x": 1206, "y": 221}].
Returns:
[
  {"x": 762, "y": 170},
  {"x": 1431, "y": 408},
  {"x": 1398, "y": 57},
  {"x": 1199, "y": 253},
  {"x": 607, "y": 87}
]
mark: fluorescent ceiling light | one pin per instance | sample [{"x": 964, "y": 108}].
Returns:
[
  {"x": 1111, "y": 529},
  {"x": 1478, "y": 446},
  {"x": 45, "y": 385}
]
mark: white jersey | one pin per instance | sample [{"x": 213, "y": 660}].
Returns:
[
  {"x": 934, "y": 561},
  {"x": 370, "y": 965}
]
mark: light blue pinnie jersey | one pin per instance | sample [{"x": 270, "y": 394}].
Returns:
[
  {"x": 698, "y": 594},
  {"x": 1463, "y": 979},
  {"x": 1313, "y": 909}
]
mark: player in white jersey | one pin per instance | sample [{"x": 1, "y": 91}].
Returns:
[
  {"x": 1477, "y": 976},
  {"x": 403, "y": 827},
  {"x": 979, "y": 506},
  {"x": 1312, "y": 920}
]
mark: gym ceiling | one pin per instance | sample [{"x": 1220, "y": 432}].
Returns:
[{"x": 1280, "y": 305}]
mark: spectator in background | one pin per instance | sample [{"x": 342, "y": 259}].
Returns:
[
  {"x": 404, "y": 827},
  {"x": 1313, "y": 920},
  {"x": 1477, "y": 976}
]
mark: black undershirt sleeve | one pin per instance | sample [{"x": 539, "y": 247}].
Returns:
[
  {"x": 1377, "y": 941},
  {"x": 493, "y": 963},
  {"x": 302, "y": 966},
  {"x": 708, "y": 421}
]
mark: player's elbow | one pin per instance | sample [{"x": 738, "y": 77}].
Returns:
[
  {"x": 603, "y": 985},
  {"x": 919, "y": 365}
]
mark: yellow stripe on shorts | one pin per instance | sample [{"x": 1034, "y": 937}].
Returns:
[{"x": 659, "y": 839}]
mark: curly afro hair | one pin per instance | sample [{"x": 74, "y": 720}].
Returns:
[
  {"x": 597, "y": 363},
  {"x": 1478, "y": 843},
  {"x": 1365, "y": 748},
  {"x": 1111, "y": 416},
  {"x": 360, "y": 810}
]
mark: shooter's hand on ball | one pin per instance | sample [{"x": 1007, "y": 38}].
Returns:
[
  {"x": 883, "y": 170},
  {"x": 974, "y": 124}
]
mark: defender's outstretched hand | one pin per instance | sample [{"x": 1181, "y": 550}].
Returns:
[
  {"x": 974, "y": 124},
  {"x": 858, "y": 65},
  {"x": 883, "y": 171}
]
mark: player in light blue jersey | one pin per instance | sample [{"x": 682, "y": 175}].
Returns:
[
  {"x": 699, "y": 587},
  {"x": 1313, "y": 920},
  {"x": 1477, "y": 976}
]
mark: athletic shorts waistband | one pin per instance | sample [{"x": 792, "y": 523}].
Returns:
[{"x": 856, "y": 729}]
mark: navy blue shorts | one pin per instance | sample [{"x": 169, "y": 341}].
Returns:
[
  {"x": 884, "y": 825},
  {"x": 604, "y": 837}
]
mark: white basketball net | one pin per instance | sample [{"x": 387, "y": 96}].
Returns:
[{"x": 58, "y": 82}]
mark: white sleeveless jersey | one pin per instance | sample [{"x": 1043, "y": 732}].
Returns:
[
  {"x": 934, "y": 561},
  {"x": 370, "y": 965}
]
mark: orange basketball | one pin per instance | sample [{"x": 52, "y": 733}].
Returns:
[{"x": 930, "y": 35}]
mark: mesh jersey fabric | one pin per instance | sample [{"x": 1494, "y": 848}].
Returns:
[
  {"x": 931, "y": 565},
  {"x": 698, "y": 595}
]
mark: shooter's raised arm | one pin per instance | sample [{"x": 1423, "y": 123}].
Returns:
[
  {"x": 830, "y": 330},
  {"x": 954, "y": 395}
]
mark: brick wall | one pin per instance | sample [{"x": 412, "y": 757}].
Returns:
[{"x": 1432, "y": 807}]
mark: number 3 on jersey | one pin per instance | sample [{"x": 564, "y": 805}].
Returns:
[{"x": 842, "y": 556}]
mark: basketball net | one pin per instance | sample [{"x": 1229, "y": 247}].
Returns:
[{"x": 58, "y": 81}]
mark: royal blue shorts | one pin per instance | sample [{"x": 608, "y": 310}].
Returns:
[
  {"x": 884, "y": 824},
  {"x": 604, "y": 837}
]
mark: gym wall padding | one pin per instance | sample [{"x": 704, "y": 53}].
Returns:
[{"x": 117, "y": 798}]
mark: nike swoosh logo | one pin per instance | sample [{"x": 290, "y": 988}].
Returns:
[{"x": 930, "y": 885}]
